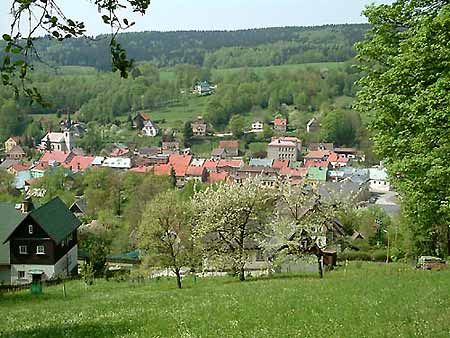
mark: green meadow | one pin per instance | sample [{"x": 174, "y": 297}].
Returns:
[{"x": 364, "y": 300}]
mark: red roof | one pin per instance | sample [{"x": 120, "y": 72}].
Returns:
[
  {"x": 180, "y": 160},
  {"x": 229, "y": 144},
  {"x": 162, "y": 169},
  {"x": 195, "y": 171},
  {"x": 317, "y": 164},
  {"x": 279, "y": 164},
  {"x": 280, "y": 122},
  {"x": 217, "y": 177},
  {"x": 41, "y": 166},
  {"x": 210, "y": 164},
  {"x": 294, "y": 172},
  {"x": 141, "y": 169},
  {"x": 58, "y": 156},
  {"x": 336, "y": 158},
  {"x": 21, "y": 166},
  {"x": 318, "y": 154},
  {"x": 230, "y": 163},
  {"x": 80, "y": 163},
  {"x": 145, "y": 116}
]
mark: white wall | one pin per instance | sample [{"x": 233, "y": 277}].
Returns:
[{"x": 49, "y": 270}]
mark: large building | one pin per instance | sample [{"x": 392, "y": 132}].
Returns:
[
  {"x": 39, "y": 240},
  {"x": 284, "y": 148},
  {"x": 63, "y": 141}
]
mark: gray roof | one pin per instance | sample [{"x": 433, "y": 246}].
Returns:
[
  {"x": 5, "y": 165},
  {"x": 9, "y": 219}
]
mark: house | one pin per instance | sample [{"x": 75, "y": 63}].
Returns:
[
  {"x": 346, "y": 152},
  {"x": 139, "y": 120},
  {"x": 170, "y": 147},
  {"x": 39, "y": 241},
  {"x": 320, "y": 146},
  {"x": 8, "y": 164},
  {"x": 261, "y": 162},
  {"x": 257, "y": 126},
  {"x": 280, "y": 125},
  {"x": 267, "y": 175},
  {"x": 312, "y": 125},
  {"x": 196, "y": 173},
  {"x": 203, "y": 88},
  {"x": 284, "y": 148},
  {"x": 280, "y": 164},
  {"x": 63, "y": 141},
  {"x": 379, "y": 180},
  {"x": 231, "y": 148},
  {"x": 227, "y": 149},
  {"x": 199, "y": 127},
  {"x": 120, "y": 163},
  {"x": 229, "y": 166},
  {"x": 16, "y": 153},
  {"x": 148, "y": 152},
  {"x": 317, "y": 174},
  {"x": 317, "y": 164},
  {"x": 79, "y": 207},
  {"x": 11, "y": 143},
  {"x": 214, "y": 177},
  {"x": 21, "y": 173},
  {"x": 79, "y": 163},
  {"x": 149, "y": 129},
  {"x": 337, "y": 161},
  {"x": 317, "y": 155},
  {"x": 56, "y": 156},
  {"x": 296, "y": 175}
]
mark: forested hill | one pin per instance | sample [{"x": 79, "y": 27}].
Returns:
[{"x": 217, "y": 49}]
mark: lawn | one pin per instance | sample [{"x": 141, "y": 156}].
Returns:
[{"x": 366, "y": 301}]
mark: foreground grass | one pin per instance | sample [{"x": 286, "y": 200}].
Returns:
[{"x": 370, "y": 301}]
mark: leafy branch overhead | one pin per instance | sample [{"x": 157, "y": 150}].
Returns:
[{"x": 33, "y": 17}]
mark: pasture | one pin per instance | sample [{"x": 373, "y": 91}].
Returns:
[{"x": 365, "y": 300}]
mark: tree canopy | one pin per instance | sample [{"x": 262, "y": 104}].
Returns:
[{"x": 406, "y": 90}]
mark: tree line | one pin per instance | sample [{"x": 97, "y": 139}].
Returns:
[{"x": 217, "y": 49}]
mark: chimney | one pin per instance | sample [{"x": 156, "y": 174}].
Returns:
[{"x": 27, "y": 205}]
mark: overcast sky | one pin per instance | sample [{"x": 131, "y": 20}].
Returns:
[{"x": 218, "y": 14}]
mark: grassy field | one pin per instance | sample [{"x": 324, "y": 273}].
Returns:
[{"x": 365, "y": 301}]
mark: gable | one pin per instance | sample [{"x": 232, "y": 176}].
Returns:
[{"x": 10, "y": 218}]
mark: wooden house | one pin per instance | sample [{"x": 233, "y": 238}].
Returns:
[{"x": 39, "y": 240}]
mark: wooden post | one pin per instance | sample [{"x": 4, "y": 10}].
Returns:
[{"x": 320, "y": 261}]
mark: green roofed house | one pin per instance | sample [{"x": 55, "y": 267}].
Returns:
[
  {"x": 42, "y": 239},
  {"x": 315, "y": 174}
]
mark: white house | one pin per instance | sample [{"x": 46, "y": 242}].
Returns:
[
  {"x": 379, "y": 180},
  {"x": 58, "y": 141},
  {"x": 257, "y": 126},
  {"x": 149, "y": 129}
]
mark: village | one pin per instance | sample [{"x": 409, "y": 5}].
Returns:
[{"x": 287, "y": 159}]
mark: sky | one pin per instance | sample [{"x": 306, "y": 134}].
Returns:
[{"x": 167, "y": 15}]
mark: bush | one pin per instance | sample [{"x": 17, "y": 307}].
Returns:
[{"x": 355, "y": 256}]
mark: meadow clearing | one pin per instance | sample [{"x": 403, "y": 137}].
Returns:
[{"x": 365, "y": 300}]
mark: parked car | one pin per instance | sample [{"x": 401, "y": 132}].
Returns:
[{"x": 431, "y": 263}]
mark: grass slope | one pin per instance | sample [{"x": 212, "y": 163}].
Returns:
[{"x": 372, "y": 301}]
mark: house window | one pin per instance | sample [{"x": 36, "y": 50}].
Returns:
[
  {"x": 40, "y": 250},
  {"x": 21, "y": 274},
  {"x": 30, "y": 229},
  {"x": 23, "y": 249}
]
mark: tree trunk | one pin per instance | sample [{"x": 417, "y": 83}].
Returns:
[
  {"x": 242, "y": 274},
  {"x": 177, "y": 273},
  {"x": 319, "y": 260}
]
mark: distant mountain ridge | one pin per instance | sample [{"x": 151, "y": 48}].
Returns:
[{"x": 216, "y": 49}]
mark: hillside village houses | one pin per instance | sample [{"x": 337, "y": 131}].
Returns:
[
  {"x": 284, "y": 148},
  {"x": 280, "y": 125},
  {"x": 257, "y": 126},
  {"x": 203, "y": 88},
  {"x": 59, "y": 141},
  {"x": 145, "y": 125},
  {"x": 312, "y": 125},
  {"x": 199, "y": 127},
  {"x": 37, "y": 241}
]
